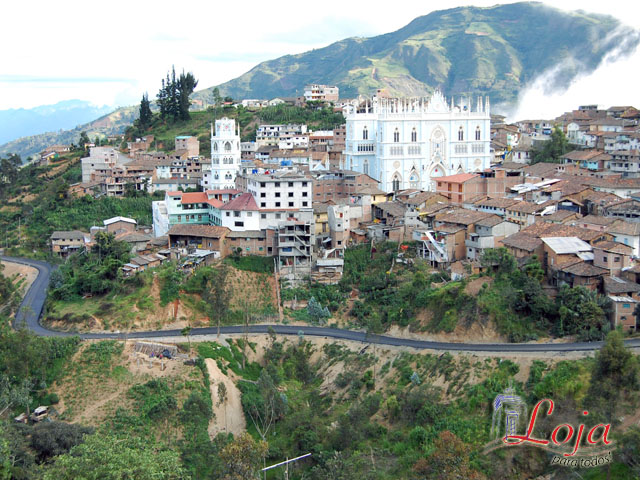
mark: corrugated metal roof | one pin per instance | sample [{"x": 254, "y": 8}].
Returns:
[{"x": 566, "y": 245}]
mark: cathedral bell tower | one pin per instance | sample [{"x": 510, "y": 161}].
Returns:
[{"x": 225, "y": 154}]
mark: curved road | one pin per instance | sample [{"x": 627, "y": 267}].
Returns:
[{"x": 31, "y": 309}]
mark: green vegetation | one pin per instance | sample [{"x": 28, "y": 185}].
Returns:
[
  {"x": 396, "y": 294},
  {"x": 296, "y": 404},
  {"x": 251, "y": 263},
  {"x": 94, "y": 272},
  {"x": 553, "y": 150},
  {"x": 26, "y": 225},
  {"x": 321, "y": 118}
]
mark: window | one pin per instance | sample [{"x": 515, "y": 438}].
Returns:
[
  {"x": 365, "y": 133},
  {"x": 263, "y": 215},
  {"x": 304, "y": 204},
  {"x": 227, "y": 146},
  {"x": 460, "y": 134},
  {"x": 477, "y": 133},
  {"x": 291, "y": 194},
  {"x": 277, "y": 194},
  {"x": 616, "y": 259},
  {"x": 291, "y": 204},
  {"x": 263, "y": 194},
  {"x": 395, "y": 184},
  {"x": 290, "y": 184},
  {"x": 236, "y": 214},
  {"x": 263, "y": 204},
  {"x": 605, "y": 259},
  {"x": 414, "y": 135},
  {"x": 239, "y": 224},
  {"x": 277, "y": 204},
  {"x": 228, "y": 214},
  {"x": 626, "y": 305},
  {"x": 199, "y": 218},
  {"x": 278, "y": 215},
  {"x": 249, "y": 214},
  {"x": 262, "y": 184},
  {"x": 304, "y": 194},
  {"x": 396, "y": 136},
  {"x": 339, "y": 242},
  {"x": 179, "y": 217},
  {"x": 277, "y": 184},
  {"x": 304, "y": 184}
]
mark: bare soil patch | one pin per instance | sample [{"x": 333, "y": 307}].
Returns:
[
  {"x": 28, "y": 274},
  {"x": 228, "y": 416}
]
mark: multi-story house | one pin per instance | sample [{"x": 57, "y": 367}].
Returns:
[
  {"x": 188, "y": 144},
  {"x": 626, "y": 162},
  {"x": 321, "y": 93},
  {"x": 271, "y": 135},
  {"x": 281, "y": 190},
  {"x": 66, "y": 243}
]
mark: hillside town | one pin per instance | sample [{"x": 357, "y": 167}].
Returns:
[
  {"x": 443, "y": 173},
  {"x": 353, "y": 243}
]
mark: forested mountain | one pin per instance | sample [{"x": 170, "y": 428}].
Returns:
[{"x": 493, "y": 51}]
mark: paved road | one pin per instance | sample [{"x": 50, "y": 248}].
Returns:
[{"x": 31, "y": 309}]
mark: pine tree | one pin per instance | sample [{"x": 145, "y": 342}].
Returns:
[
  {"x": 162, "y": 100},
  {"x": 144, "y": 119},
  {"x": 174, "y": 107}
]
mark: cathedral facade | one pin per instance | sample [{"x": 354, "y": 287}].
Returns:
[
  {"x": 225, "y": 156},
  {"x": 406, "y": 143}
]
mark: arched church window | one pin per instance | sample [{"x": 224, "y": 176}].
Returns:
[
  {"x": 396, "y": 136},
  {"x": 215, "y": 147},
  {"x": 414, "y": 135},
  {"x": 227, "y": 146},
  {"x": 395, "y": 183},
  {"x": 365, "y": 133},
  {"x": 365, "y": 167},
  {"x": 477, "y": 133},
  {"x": 460, "y": 134}
]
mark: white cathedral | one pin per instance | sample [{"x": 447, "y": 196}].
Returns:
[
  {"x": 406, "y": 142},
  {"x": 225, "y": 156}
]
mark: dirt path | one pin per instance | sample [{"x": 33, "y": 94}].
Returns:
[
  {"x": 235, "y": 421},
  {"x": 11, "y": 269}
]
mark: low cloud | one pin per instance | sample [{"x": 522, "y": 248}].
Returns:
[{"x": 560, "y": 89}]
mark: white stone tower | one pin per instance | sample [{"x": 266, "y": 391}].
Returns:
[{"x": 225, "y": 154}]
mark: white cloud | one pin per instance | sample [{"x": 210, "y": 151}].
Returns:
[{"x": 218, "y": 41}]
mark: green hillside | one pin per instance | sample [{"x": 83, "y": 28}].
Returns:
[{"x": 493, "y": 51}]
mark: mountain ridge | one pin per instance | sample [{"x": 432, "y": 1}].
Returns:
[
  {"x": 66, "y": 114},
  {"x": 114, "y": 122},
  {"x": 491, "y": 51}
]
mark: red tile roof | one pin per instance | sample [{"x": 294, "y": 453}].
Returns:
[
  {"x": 194, "y": 197},
  {"x": 231, "y": 191},
  {"x": 215, "y": 202},
  {"x": 458, "y": 178},
  {"x": 207, "y": 231},
  {"x": 243, "y": 202}
]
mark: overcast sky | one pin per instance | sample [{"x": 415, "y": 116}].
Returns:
[{"x": 111, "y": 52}]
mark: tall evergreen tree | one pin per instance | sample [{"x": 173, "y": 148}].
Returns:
[
  {"x": 162, "y": 100},
  {"x": 144, "y": 119},
  {"x": 174, "y": 107},
  {"x": 173, "y": 97},
  {"x": 186, "y": 85}
]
